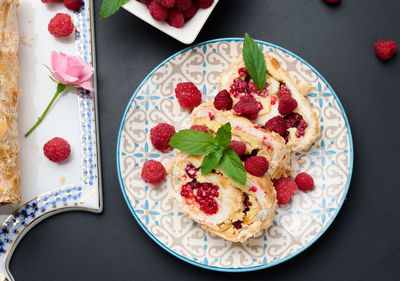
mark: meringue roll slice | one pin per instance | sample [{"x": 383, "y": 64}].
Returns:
[
  {"x": 301, "y": 124},
  {"x": 220, "y": 205},
  {"x": 259, "y": 142}
]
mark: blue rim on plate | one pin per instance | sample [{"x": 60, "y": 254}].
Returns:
[{"x": 235, "y": 269}]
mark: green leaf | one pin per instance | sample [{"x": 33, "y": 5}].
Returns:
[
  {"x": 224, "y": 135},
  {"x": 211, "y": 160},
  {"x": 255, "y": 62},
  {"x": 193, "y": 142},
  {"x": 109, "y": 7},
  {"x": 233, "y": 166}
]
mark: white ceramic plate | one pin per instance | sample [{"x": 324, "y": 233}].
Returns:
[
  {"x": 297, "y": 225},
  {"x": 186, "y": 34},
  {"x": 48, "y": 188}
]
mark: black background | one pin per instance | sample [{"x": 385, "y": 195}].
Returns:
[{"x": 361, "y": 244}]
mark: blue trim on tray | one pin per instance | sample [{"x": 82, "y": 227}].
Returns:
[{"x": 235, "y": 269}]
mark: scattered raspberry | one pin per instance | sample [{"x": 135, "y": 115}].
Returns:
[
  {"x": 297, "y": 121},
  {"x": 284, "y": 91},
  {"x": 286, "y": 105},
  {"x": 284, "y": 190},
  {"x": 256, "y": 165},
  {"x": 176, "y": 18},
  {"x": 153, "y": 172},
  {"x": 190, "y": 12},
  {"x": 204, "y": 4},
  {"x": 252, "y": 89},
  {"x": 304, "y": 181},
  {"x": 191, "y": 170},
  {"x": 158, "y": 11},
  {"x": 146, "y": 2},
  {"x": 238, "y": 86},
  {"x": 237, "y": 224},
  {"x": 183, "y": 4},
  {"x": 199, "y": 128},
  {"x": 243, "y": 72},
  {"x": 51, "y": 1},
  {"x": 239, "y": 147},
  {"x": 57, "y": 149},
  {"x": 276, "y": 124},
  {"x": 385, "y": 49},
  {"x": 167, "y": 3},
  {"x": 248, "y": 106},
  {"x": 61, "y": 25},
  {"x": 73, "y": 5},
  {"x": 188, "y": 95},
  {"x": 223, "y": 101},
  {"x": 205, "y": 197},
  {"x": 160, "y": 136}
]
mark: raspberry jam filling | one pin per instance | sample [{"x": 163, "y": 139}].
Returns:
[
  {"x": 297, "y": 121},
  {"x": 243, "y": 85},
  {"x": 237, "y": 224},
  {"x": 191, "y": 170},
  {"x": 205, "y": 195}
]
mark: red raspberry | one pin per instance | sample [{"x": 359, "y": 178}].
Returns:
[
  {"x": 205, "y": 197},
  {"x": 252, "y": 89},
  {"x": 57, "y": 149},
  {"x": 243, "y": 72},
  {"x": 176, "y": 18},
  {"x": 153, "y": 172},
  {"x": 61, "y": 25},
  {"x": 297, "y": 121},
  {"x": 237, "y": 224},
  {"x": 167, "y": 3},
  {"x": 190, "y": 12},
  {"x": 286, "y": 105},
  {"x": 73, "y": 5},
  {"x": 248, "y": 106},
  {"x": 187, "y": 190},
  {"x": 238, "y": 86},
  {"x": 239, "y": 147},
  {"x": 223, "y": 100},
  {"x": 284, "y": 190},
  {"x": 158, "y": 11},
  {"x": 183, "y": 4},
  {"x": 199, "y": 128},
  {"x": 304, "y": 181},
  {"x": 284, "y": 91},
  {"x": 276, "y": 124},
  {"x": 385, "y": 49},
  {"x": 256, "y": 166},
  {"x": 188, "y": 95},
  {"x": 160, "y": 136},
  {"x": 204, "y": 4}
]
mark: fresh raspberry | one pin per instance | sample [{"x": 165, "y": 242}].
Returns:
[
  {"x": 223, "y": 101},
  {"x": 243, "y": 72},
  {"x": 158, "y": 11},
  {"x": 238, "y": 86},
  {"x": 297, "y": 121},
  {"x": 160, "y": 136},
  {"x": 199, "y": 128},
  {"x": 286, "y": 105},
  {"x": 187, "y": 190},
  {"x": 284, "y": 91},
  {"x": 252, "y": 89},
  {"x": 191, "y": 11},
  {"x": 61, "y": 25},
  {"x": 284, "y": 190},
  {"x": 256, "y": 166},
  {"x": 276, "y": 124},
  {"x": 176, "y": 18},
  {"x": 239, "y": 147},
  {"x": 57, "y": 149},
  {"x": 167, "y": 3},
  {"x": 385, "y": 49},
  {"x": 204, "y": 4},
  {"x": 73, "y": 5},
  {"x": 188, "y": 95},
  {"x": 153, "y": 172},
  {"x": 205, "y": 197},
  {"x": 248, "y": 106},
  {"x": 51, "y": 1},
  {"x": 191, "y": 170},
  {"x": 183, "y": 5},
  {"x": 304, "y": 181}
]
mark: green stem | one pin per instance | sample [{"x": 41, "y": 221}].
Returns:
[{"x": 60, "y": 89}]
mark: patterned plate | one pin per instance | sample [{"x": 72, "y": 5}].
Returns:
[{"x": 297, "y": 225}]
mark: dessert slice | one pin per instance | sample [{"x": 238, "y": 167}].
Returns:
[
  {"x": 220, "y": 205},
  {"x": 281, "y": 106}
]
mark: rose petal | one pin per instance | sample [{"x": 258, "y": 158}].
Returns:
[
  {"x": 87, "y": 85},
  {"x": 59, "y": 61},
  {"x": 65, "y": 78}
]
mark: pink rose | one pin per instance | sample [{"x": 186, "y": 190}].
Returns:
[{"x": 72, "y": 70}]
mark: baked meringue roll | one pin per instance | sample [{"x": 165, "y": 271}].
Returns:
[
  {"x": 302, "y": 127},
  {"x": 259, "y": 142},
  {"x": 220, "y": 205}
]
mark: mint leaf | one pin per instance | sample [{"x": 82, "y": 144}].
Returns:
[
  {"x": 224, "y": 135},
  {"x": 193, "y": 142},
  {"x": 211, "y": 160},
  {"x": 109, "y": 7},
  {"x": 255, "y": 62},
  {"x": 233, "y": 166}
]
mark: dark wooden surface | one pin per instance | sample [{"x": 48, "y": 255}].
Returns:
[{"x": 361, "y": 244}]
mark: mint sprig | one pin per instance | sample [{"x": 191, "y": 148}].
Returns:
[
  {"x": 216, "y": 149},
  {"x": 255, "y": 62},
  {"x": 110, "y": 7}
]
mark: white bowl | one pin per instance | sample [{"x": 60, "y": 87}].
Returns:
[{"x": 186, "y": 34}]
